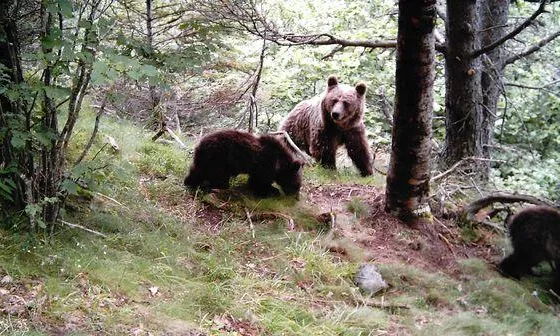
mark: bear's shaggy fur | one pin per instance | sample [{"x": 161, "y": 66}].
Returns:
[
  {"x": 535, "y": 237},
  {"x": 334, "y": 118},
  {"x": 227, "y": 153}
]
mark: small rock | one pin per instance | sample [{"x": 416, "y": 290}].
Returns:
[{"x": 369, "y": 280}]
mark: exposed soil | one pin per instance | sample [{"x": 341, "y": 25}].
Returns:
[{"x": 388, "y": 240}]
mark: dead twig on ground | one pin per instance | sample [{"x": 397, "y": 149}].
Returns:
[
  {"x": 383, "y": 305},
  {"x": 446, "y": 241},
  {"x": 77, "y": 226},
  {"x": 274, "y": 215},
  {"x": 110, "y": 199},
  {"x": 165, "y": 129},
  {"x": 250, "y": 223}
]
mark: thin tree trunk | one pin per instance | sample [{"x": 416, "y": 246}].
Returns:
[
  {"x": 494, "y": 17},
  {"x": 49, "y": 177},
  {"x": 408, "y": 178},
  {"x": 154, "y": 94},
  {"x": 463, "y": 90}
]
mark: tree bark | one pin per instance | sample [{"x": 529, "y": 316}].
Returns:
[
  {"x": 463, "y": 84},
  {"x": 493, "y": 17},
  {"x": 409, "y": 172},
  {"x": 10, "y": 58}
]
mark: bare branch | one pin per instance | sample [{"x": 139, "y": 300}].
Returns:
[
  {"x": 77, "y": 226},
  {"x": 291, "y": 143},
  {"x": 534, "y": 48},
  {"x": 502, "y": 197},
  {"x": 251, "y": 226},
  {"x": 96, "y": 126},
  {"x": 542, "y": 87},
  {"x": 513, "y": 33},
  {"x": 460, "y": 162},
  {"x": 245, "y": 15}
]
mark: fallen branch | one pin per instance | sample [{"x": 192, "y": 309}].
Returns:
[
  {"x": 171, "y": 133},
  {"x": 460, "y": 162},
  {"x": 446, "y": 241},
  {"x": 473, "y": 208},
  {"x": 293, "y": 145},
  {"x": 554, "y": 294},
  {"x": 503, "y": 197},
  {"x": 274, "y": 215},
  {"x": 110, "y": 199},
  {"x": 250, "y": 223},
  {"x": 383, "y": 305},
  {"x": 76, "y": 226}
]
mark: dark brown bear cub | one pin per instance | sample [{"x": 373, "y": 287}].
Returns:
[
  {"x": 535, "y": 237},
  {"x": 227, "y": 153}
]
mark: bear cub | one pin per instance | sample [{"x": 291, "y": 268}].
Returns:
[
  {"x": 226, "y": 153},
  {"x": 322, "y": 124},
  {"x": 535, "y": 237}
]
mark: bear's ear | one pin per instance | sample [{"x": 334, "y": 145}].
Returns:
[
  {"x": 332, "y": 81},
  {"x": 361, "y": 88}
]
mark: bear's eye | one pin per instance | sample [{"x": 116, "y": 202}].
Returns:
[
  {"x": 346, "y": 104},
  {"x": 335, "y": 100}
]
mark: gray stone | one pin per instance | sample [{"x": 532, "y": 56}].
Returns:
[{"x": 369, "y": 280}]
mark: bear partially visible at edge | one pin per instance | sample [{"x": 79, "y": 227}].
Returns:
[
  {"x": 535, "y": 237},
  {"x": 226, "y": 153},
  {"x": 324, "y": 123}
]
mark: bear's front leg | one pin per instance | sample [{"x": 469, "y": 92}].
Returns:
[
  {"x": 262, "y": 188},
  {"x": 556, "y": 279},
  {"x": 323, "y": 149},
  {"x": 358, "y": 150}
]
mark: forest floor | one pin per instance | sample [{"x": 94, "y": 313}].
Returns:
[
  {"x": 367, "y": 233},
  {"x": 161, "y": 260}
]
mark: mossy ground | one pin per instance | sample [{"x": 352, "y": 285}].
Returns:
[{"x": 178, "y": 263}]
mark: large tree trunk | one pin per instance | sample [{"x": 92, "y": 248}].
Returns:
[
  {"x": 463, "y": 78},
  {"x": 493, "y": 20},
  {"x": 409, "y": 172}
]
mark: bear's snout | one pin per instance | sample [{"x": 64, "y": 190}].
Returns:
[{"x": 335, "y": 115}]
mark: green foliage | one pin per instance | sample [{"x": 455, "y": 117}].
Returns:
[
  {"x": 527, "y": 172},
  {"x": 161, "y": 160}
]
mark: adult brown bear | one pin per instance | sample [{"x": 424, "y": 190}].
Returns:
[
  {"x": 334, "y": 118},
  {"x": 226, "y": 153},
  {"x": 535, "y": 237}
]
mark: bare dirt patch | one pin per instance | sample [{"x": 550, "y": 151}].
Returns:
[{"x": 387, "y": 239}]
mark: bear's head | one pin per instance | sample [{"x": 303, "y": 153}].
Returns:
[
  {"x": 343, "y": 104},
  {"x": 288, "y": 169},
  {"x": 289, "y": 175}
]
